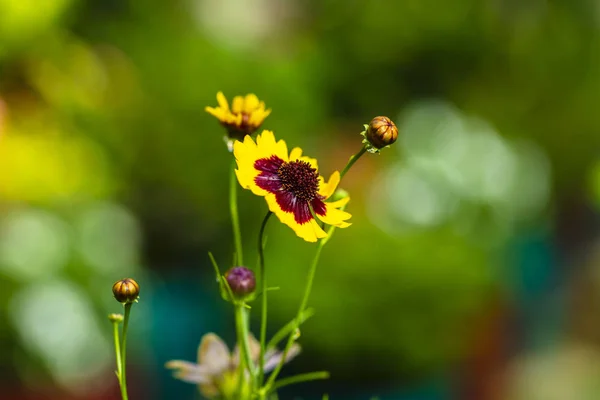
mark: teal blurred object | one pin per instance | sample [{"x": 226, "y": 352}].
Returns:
[{"x": 184, "y": 306}]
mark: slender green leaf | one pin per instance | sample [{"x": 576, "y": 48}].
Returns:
[{"x": 289, "y": 327}]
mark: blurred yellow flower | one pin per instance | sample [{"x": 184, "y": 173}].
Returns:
[
  {"x": 47, "y": 167},
  {"x": 291, "y": 185},
  {"x": 244, "y": 117}
]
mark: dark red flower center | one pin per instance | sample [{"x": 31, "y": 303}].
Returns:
[
  {"x": 299, "y": 178},
  {"x": 295, "y": 185},
  {"x": 238, "y": 131}
]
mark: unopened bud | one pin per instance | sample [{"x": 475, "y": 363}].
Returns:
[
  {"x": 380, "y": 132},
  {"x": 339, "y": 194},
  {"x": 241, "y": 280},
  {"x": 126, "y": 290},
  {"x": 115, "y": 317}
]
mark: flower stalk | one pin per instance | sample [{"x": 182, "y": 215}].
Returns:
[
  {"x": 126, "y": 291},
  {"x": 352, "y": 160},
  {"x": 123, "y": 379},
  {"x": 235, "y": 220},
  {"x": 120, "y": 342},
  {"x": 118, "y": 356},
  {"x": 241, "y": 323},
  {"x": 263, "y": 314},
  {"x": 307, "y": 290}
]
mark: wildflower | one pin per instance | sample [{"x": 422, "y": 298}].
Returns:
[
  {"x": 290, "y": 184},
  {"x": 126, "y": 290},
  {"x": 381, "y": 132},
  {"x": 217, "y": 370},
  {"x": 245, "y": 116},
  {"x": 241, "y": 280}
]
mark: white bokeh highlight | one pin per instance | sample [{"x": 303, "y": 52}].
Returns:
[{"x": 454, "y": 168}]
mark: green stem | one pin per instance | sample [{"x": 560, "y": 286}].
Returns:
[
  {"x": 123, "y": 351},
  {"x": 117, "y": 349},
  {"x": 303, "y": 303},
  {"x": 235, "y": 220},
  {"x": 309, "y": 376},
  {"x": 263, "y": 314},
  {"x": 352, "y": 160},
  {"x": 288, "y": 328},
  {"x": 241, "y": 323}
]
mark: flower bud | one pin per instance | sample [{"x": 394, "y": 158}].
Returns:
[
  {"x": 339, "y": 194},
  {"x": 380, "y": 132},
  {"x": 241, "y": 281},
  {"x": 115, "y": 317},
  {"x": 126, "y": 290}
]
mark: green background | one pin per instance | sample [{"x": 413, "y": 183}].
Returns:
[{"x": 471, "y": 267}]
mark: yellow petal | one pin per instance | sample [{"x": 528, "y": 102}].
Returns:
[
  {"x": 335, "y": 217},
  {"x": 267, "y": 146},
  {"x": 295, "y": 154},
  {"x": 251, "y": 103},
  {"x": 237, "y": 119},
  {"x": 312, "y": 161},
  {"x": 327, "y": 189},
  {"x": 222, "y": 100},
  {"x": 258, "y": 116},
  {"x": 216, "y": 112},
  {"x": 247, "y": 181},
  {"x": 237, "y": 106},
  {"x": 340, "y": 203},
  {"x": 244, "y": 150},
  {"x": 246, "y": 153},
  {"x": 309, "y": 231}
]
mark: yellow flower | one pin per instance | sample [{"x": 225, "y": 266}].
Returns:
[
  {"x": 290, "y": 184},
  {"x": 245, "y": 116}
]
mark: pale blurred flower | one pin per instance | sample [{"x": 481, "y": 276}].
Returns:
[{"x": 216, "y": 372}]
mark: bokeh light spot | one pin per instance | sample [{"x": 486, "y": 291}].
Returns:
[
  {"x": 33, "y": 244},
  {"x": 56, "y": 323}
]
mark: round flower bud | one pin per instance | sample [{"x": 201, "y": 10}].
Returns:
[
  {"x": 241, "y": 281},
  {"x": 381, "y": 132},
  {"x": 339, "y": 194},
  {"x": 126, "y": 290}
]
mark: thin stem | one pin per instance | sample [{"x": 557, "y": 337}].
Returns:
[
  {"x": 123, "y": 351},
  {"x": 352, "y": 160},
  {"x": 235, "y": 219},
  {"x": 117, "y": 349},
  {"x": 291, "y": 337},
  {"x": 288, "y": 328},
  {"x": 263, "y": 314},
  {"x": 241, "y": 323},
  {"x": 309, "y": 376},
  {"x": 242, "y": 355}
]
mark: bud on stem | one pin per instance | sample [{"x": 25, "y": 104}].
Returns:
[
  {"x": 126, "y": 290},
  {"x": 241, "y": 280},
  {"x": 381, "y": 132}
]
